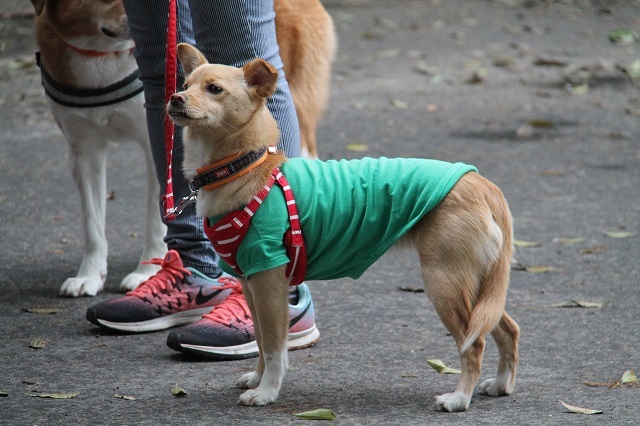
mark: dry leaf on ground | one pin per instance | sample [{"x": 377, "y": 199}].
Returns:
[
  {"x": 525, "y": 244},
  {"x": 37, "y": 343},
  {"x": 577, "y": 304},
  {"x": 580, "y": 410},
  {"x": 629, "y": 376},
  {"x": 54, "y": 395},
  {"x": 45, "y": 310},
  {"x": 125, "y": 397},
  {"x": 178, "y": 391}
]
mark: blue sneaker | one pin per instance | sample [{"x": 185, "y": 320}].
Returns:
[{"x": 226, "y": 332}]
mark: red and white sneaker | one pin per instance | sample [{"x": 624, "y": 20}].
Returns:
[
  {"x": 174, "y": 296},
  {"x": 227, "y": 332}
]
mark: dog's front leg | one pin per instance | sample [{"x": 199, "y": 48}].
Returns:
[
  {"x": 268, "y": 296},
  {"x": 89, "y": 173}
]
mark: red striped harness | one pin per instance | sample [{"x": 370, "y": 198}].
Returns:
[{"x": 227, "y": 234}]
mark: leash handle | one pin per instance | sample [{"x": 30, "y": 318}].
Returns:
[{"x": 170, "y": 81}]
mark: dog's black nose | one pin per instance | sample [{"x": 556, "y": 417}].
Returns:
[{"x": 178, "y": 99}]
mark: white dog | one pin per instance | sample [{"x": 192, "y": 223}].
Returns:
[{"x": 90, "y": 77}]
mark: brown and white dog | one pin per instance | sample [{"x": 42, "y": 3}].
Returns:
[
  {"x": 89, "y": 74},
  {"x": 464, "y": 244},
  {"x": 90, "y": 77}
]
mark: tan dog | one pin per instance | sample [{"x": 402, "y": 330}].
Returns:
[
  {"x": 86, "y": 49},
  {"x": 464, "y": 244}
]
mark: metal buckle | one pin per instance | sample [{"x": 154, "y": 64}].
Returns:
[{"x": 189, "y": 199}]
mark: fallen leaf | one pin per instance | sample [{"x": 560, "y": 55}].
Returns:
[
  {"x": 633, "y": 69},
  {"x": 46, "y": 310},
  {"x": 125, "y": 397},
  {"x": 412, "y": 289},
  {"x": 541, "y": 123},
  {"x": 178, "y": 391},
  {"x": 37, "y": 343},
  {"x": 620, "y": 234},
  {"x": 319, "y": 414},
  {"x": 540, "y": 269},
  {"x": 553, "y": 173},
  {"x": 577, "y": 304},
  {"x": 621, "y": 36},
  {"x": 478, "y": 76},
  {"x": 569, "y": 240},
  {"x": 594, "y": 250},
  {"x": 580, "y": 410},
  {"x": 524, "y": 244},
  {"x": 550, "y": 62},
  {"x": 408, "y": 375},
  {"x": 629, "y": 376},
  {"x": 609, "y": 385},
  {"x": 397, "y": 103},
  {"x": 356, "y": 147},
  {"x": 111, "y": 195},
  {"x": 54, "y": 395},
  {"x": 4, "y": 394},
  {"x": 579, "y": 89},
  {"x": 440, "y": 367},
  {"x": 525, "y": 131}
]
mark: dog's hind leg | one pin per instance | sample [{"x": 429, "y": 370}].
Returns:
[
  {"x": 506, "y": 335},
  {"x": 154, "y": 228},
  {"x": 88, "y": 162},
  {"x": 269, "y": 293}
]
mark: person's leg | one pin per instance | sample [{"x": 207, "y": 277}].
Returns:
[
  {"x": 148, "y": 23},
  {"x": 233, "y": 32}
]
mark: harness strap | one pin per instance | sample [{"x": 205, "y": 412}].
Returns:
[{"x": 227, "y": 234}]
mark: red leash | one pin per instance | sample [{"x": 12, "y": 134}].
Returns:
[{"x": 171, "y": 71}]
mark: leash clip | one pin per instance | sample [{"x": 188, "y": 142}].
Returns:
[{"x": 189, "y": 199}]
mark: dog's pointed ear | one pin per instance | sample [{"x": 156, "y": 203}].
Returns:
[
  {"x": 190, "y": 57},
  {"x": 38, "y": 5},
  {"x": 261, "y": 75}
]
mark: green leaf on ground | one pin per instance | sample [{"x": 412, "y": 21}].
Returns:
[
  {"x": 4, "y": 394},
  {"x": 356, "y": 147},
  {"x": 525, "y": 244},
  {"x": 620, "y": 234},
  {"x": 540, "y": 269},
  {"x": 580, "y": 410},
  {"x": 599, "y": 248},
  {"x": 54, "y": 395},
  {"x": 319, "y": 414},
  {"x": 440, "y": 367},
  {"x": 621, "y": 36},
  {"x": 569, "y": 240},
  {"x": 629, "y": 376},
  {"x": 177, "y": 391},
  {"x": 411, "y": 289}
]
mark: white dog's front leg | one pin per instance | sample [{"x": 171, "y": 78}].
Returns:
[{"x": 275, "y": 367}]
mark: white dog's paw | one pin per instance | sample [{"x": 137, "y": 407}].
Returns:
[
  {"x": 249, "y": 381},
  {"x": 452, "y": 402},
  {"x": 258, "y": 397},
  {"x": 494, "y": 387},
  {"x": 82, "y": 286}
]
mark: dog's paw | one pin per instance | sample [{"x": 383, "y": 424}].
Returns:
[
  {"x": 452, "y": 402},
  {"x": 495, "y": 387},
  {"x": 249, "y": 380},
  {"x": 142, "y": 273},
  {"x": 81, "y": 286},
  {"x": 258, "y": 397}
]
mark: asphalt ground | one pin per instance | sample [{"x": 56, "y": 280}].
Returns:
[{"x": 533, "y": 93}]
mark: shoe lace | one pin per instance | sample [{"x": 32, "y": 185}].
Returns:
[
  {"x": 164, "y": 280},
  {"x": 234, "y": 308}
]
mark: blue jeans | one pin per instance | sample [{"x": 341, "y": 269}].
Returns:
[{"x": 229, "y": 32}]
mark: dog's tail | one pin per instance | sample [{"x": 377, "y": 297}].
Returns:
[{"x": 492, "y": 294}]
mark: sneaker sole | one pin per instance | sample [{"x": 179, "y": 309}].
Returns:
[
  {"x": 299, "y": 340},
  {"x": 156, "y": 324}
]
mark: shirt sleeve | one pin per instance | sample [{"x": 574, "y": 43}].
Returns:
[{"x": 262, "y": 255}]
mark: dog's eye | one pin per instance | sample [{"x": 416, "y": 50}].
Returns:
[
  {"x": 185, "y": 86},
  {"x": 212, "y": 88}
]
